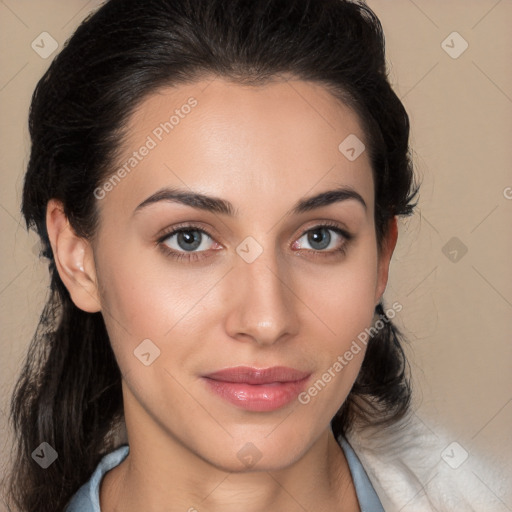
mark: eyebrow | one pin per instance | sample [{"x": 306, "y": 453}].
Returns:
[{"x": 217, "y": 205}]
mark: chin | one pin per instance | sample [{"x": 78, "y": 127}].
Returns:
[{"x": 262, "y": 452}]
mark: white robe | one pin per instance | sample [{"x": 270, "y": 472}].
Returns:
[{"x": 414, "y": 469}]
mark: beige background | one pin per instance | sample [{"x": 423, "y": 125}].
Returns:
[{"x": 457, "y": 314}]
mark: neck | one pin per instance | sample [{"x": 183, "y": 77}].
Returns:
[{"x": 160, "y": 472}]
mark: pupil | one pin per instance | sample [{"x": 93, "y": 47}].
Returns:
[
  {"x": 189, "y": 237},
  {"x": 320, "y": 238}
]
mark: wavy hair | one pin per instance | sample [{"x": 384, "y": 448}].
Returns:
[{"x": 69, "y": 391}]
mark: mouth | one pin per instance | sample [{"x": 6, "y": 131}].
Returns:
[{"x": 256, "y": 389}]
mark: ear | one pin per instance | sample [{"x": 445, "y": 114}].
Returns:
[
  {"x": 384, "y": 258},
  {"x": 73, "y": 258}
]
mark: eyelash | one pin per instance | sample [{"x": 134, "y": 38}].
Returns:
[{"x": 197, "y": 256}]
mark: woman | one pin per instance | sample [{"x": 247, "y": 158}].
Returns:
[{"x": 216, "y": 186}]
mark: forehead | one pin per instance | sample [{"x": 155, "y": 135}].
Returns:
[{"x": 271, "y": 142}]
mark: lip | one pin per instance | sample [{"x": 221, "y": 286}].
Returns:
[{"x": 255, "y": 389}]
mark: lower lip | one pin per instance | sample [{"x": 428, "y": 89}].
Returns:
[{"x": 258, "y": 397}]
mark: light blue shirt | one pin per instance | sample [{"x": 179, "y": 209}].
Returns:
[{"x": 87, "y": 498}]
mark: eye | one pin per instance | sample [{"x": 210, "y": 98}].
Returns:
[
  {"x": 324, "y": 238},
  {"x": 186, "y": 242},
  {"x": 193, "y": 243}
]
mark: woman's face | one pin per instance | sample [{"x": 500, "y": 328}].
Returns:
[{"x": 261, "y": 276}]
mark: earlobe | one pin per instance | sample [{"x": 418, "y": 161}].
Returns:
[
  {"x": 388, "y": 246},
  {"x": 73, "y": 259}
]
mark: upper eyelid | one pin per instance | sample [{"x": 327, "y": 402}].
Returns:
[{"x": 166, "y": 233}]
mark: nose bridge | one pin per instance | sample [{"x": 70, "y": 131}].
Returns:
[{"x": 264, "y": 306}]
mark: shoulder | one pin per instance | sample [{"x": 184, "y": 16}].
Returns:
[
  {"x": 87, "y": 498},
  {"x": 413, "y": 468}
]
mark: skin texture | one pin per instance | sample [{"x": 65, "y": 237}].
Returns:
[{"x": 261, "y": 148}]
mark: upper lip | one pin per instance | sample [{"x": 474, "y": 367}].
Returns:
[{"x": 248, "y": 375}]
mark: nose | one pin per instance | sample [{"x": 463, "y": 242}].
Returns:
[{"x": 262, "y": 304}]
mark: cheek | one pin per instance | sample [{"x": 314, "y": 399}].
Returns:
[
  {"x": 135, "y": 288},
  {"x": 131, "y": 295},
  {"x": 343, "y": 304},
  {"x": 344, "y": 297},
  {"x": 145, "y": 297}
]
